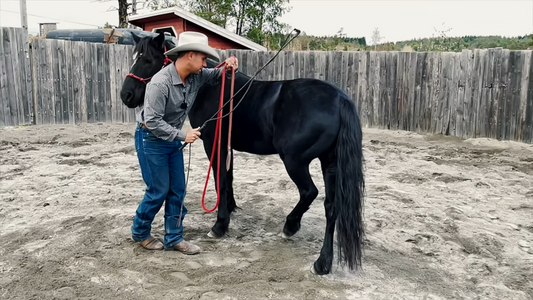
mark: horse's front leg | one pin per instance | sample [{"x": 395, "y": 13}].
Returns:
[
  {"x": 226, "y": 200},
  {"x": 232, "y": 204}
]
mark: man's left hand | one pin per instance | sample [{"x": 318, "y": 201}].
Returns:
[{"x": 232, "y": 62}]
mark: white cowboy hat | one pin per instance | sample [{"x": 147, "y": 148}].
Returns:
[{"x": 194, "y": 41}]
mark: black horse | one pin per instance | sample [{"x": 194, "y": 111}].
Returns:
[{"x": 300, "y": 119}]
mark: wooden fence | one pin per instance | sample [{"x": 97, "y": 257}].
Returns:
[
  {"x": 16, "y": 101},
  {"x": 474, "y": 93},
  {"x": 79, "y": 82}
]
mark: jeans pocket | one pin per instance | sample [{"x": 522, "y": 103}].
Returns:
[
  {"x": 151, "y": 138},
  {"x": 152, "y": 144},
  {"x": 156, "y": 152},
  {"x": 138, "y": 140}
]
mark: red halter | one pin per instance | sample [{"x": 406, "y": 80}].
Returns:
[{"x": 146, "y": 80}]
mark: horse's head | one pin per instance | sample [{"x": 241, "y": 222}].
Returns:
[{"x": 148, "y": 59}]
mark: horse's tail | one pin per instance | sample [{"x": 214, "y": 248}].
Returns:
[{"x": 350, "y": 185}]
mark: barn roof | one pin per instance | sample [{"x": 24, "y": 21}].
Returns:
[{"x": 200, "y": 22}]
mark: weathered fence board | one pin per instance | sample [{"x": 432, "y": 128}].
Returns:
[
  {"x": 16, "y": 105},
  {"x": 79, "y": 82},
  {"x": 473, "y": 93}
]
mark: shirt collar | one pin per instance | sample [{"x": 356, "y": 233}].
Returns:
[{"x": 176, "y": 79}]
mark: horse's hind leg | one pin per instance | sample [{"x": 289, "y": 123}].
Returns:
[
  {"x": 298, "y": 171},
  {"x": 329, "y": 167}
]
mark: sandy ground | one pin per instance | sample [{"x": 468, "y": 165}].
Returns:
[{"x": 446, "y": 219}]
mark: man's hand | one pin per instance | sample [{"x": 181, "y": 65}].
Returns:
[
  {"x": 232, "y": 62},
  {"x": 192, "y": 135}
]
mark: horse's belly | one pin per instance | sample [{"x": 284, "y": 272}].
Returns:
[{"x": 253, "y": 146}]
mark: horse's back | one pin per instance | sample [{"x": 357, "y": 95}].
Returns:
[
  {"x": 309, "y": 96},
  {"x": 306, "y": 117},
  {"x": 289, "y": 115}
]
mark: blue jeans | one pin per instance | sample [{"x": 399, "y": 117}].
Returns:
[{"x": 162, "y": 169}]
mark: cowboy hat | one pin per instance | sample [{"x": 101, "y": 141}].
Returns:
[{"x": 194, "y": 41}]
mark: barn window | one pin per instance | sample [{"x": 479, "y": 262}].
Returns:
[{"x": 168, "y": 29}]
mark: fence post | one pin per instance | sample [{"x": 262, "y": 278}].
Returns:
[{"x": 31, "y": 86}]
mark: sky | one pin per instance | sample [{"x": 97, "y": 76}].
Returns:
[{"x": 396, "y": 19}]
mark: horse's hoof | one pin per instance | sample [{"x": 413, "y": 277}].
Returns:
[
  {"x": 211, "y": 234},
  {"x": 312, "y": 270},
  {"x": 283, "y": 235}
]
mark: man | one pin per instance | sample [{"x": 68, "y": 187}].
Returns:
[{"x": 168, "y": 99}]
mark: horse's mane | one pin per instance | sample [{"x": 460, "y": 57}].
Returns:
[
  {"x": 169, "y": 44},
  {"x": 238, "y": 75}
]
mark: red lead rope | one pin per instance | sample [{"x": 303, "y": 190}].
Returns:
[{"x": 218, "y": 136}]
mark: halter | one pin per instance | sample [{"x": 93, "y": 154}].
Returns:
[{"x": 146, "y": 80}]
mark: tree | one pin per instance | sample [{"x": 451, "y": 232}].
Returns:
[
  {"x": 257, "y": 19},
  {"x": 341, "y": 33},
  {"x": 160, "y": 4},
  {"x": 441, "y": 42},
  {"x": 123, "y": 6},
  {"x": 376, "y": 37},
  {"x": 214, "y": 11}
]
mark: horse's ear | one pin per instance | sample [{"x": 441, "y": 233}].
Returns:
[
  {"x": 159, "y": 40},
  {"x": 136, "y": 38}
]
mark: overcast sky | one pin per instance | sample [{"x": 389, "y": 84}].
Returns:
[{"x": 397, "y": 20}]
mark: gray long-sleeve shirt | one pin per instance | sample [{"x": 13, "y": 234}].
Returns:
[{"x": 165, "y": 93}]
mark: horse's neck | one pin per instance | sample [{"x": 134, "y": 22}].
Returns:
[{"x": 241, "y": 79}]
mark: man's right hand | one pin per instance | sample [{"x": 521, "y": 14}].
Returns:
[{"x": 192, "y": 135}]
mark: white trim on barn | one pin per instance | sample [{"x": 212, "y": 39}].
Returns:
[
  {"x": 166, "y": 27},
  {"x": 203, "y": 23}
]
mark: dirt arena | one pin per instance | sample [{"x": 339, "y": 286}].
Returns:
[{"x": 446, "y": 219}]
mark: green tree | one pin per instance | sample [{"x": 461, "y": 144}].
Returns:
[
  {"x": 257, "y": 19},
  {"x": 215, "y": 11},
  {"x": 161, "y": 4}
]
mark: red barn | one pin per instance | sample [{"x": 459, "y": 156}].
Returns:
[{"x": 175, "y": 20}]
